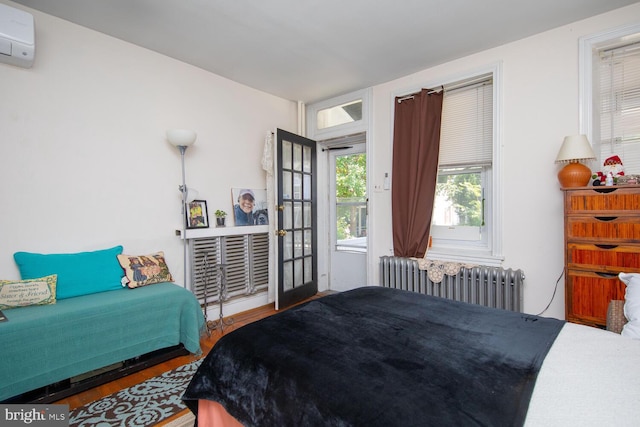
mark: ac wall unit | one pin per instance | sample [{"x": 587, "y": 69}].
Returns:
[{"x": 17, "y": 37}]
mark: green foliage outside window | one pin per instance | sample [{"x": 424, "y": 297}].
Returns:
[
  {"x": 464, "y": 192},
  {"x": 351, "y": 186}
]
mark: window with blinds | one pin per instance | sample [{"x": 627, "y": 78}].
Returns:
[
  {"x": 617, "y": 102},
  {"x": 463, "y": 192},
  {"x": 466, "y": 136},
  {"x": 246, "y": 263}
]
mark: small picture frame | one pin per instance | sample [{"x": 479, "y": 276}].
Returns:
[{"x": 196, "y": 214}]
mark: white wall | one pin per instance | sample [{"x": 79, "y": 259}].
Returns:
[
  {"x": 84, "y": 163},
  {"x": 540, "y": 107}
]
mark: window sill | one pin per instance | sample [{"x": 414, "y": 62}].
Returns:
[
  {"x": 351, "y": 249},
  {"x": 464, "y": 255}
]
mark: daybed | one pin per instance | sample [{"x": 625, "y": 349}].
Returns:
[
  {"x": 93, "y": 323},
  {"x": 375, "y": 356}
]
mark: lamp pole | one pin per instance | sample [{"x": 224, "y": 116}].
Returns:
[
  {"x": 182, "y": 139},
  {"x": 183, "y": 190}
]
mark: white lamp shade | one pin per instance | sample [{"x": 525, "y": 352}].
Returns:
[
  {"x": 181, "y": 137},
  {"x": 192, "y": 194},
  {"x": 575, "y": 148}
]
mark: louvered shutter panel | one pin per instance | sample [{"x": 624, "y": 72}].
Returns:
[{"x": 246, "y": 261}]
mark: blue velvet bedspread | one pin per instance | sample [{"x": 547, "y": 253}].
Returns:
[{"x": 41, "y": 345}]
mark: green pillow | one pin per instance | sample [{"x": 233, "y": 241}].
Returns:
[{"x": 79, "y": 273}]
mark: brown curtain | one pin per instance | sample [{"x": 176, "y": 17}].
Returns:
[{"x": 416, "y": 142}]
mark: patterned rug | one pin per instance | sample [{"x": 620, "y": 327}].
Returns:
[{"x": 144, "y": 404}]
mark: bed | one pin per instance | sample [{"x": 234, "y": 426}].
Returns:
[{"x": 383, "y": 357}]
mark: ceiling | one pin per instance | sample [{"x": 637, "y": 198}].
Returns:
[{"x": 307, "y": 51}]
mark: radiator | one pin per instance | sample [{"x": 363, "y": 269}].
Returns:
[{"x": 495, "y": 287}]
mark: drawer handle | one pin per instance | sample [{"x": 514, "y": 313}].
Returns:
[
  {"x": 606, "y": 246},
  {"x": 605, "y": 190},
  {"x": 607, "y": 275},
  {"x": 606, "y": 218}
]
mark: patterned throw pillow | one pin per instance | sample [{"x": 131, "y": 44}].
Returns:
[
  {"x": 21, "y": 293},
  {"x": 143, "y": 270}
]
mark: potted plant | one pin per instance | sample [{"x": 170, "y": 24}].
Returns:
[{"x": 220, "y": 217}]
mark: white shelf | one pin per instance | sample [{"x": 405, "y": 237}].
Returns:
[{"x": 198, "y": 233}]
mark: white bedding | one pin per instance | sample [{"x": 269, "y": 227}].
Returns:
[{"x": 590, "y": 377}]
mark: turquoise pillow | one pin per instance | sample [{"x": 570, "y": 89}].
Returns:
[{"x": 79, "y": 273}]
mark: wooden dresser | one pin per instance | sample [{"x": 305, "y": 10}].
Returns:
[{"x": 602, "y": 239}]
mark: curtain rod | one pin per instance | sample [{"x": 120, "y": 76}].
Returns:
[
  {"x": 336, "y": 148},
  {"x": 413, "y": 95},
  {"x": 480, "y": 81}
]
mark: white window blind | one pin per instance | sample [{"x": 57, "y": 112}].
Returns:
[
  {"x": 467, "y": 124},
  {"x": 618, "y": 107}
]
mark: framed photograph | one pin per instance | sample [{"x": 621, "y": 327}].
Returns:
[
  {"x": 249, "y": 206},
  {"x": 197, "y": 215}
]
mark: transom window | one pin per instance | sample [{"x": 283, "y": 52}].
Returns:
[{"x": 340, "y": 114}]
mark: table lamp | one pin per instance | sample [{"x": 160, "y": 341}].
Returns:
[{"x": 574, "y": 150}]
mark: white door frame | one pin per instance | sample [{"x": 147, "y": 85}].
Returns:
[{"x": 325, "y": 135}]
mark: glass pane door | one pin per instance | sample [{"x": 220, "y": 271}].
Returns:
[{"x": 297, "y": 278}]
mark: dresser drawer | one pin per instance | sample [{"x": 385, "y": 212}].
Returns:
[
  {"x": 602, "y": 199},
  {"x": 602, "y": 239},
  {"x": 622, "y": 229},
  {"x": 588, "y": 295},
  {"x": 604, "y": 258}
]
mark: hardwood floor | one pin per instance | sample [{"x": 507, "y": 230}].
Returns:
[{"x": 206, "y": 343}]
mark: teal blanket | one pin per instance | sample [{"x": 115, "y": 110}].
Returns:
[{"x": 41, "y": 345}]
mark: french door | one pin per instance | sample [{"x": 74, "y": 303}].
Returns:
[{"x": 297, "y": 217}]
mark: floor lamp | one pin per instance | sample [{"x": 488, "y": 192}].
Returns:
[{"x": 183, "y": 139}]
